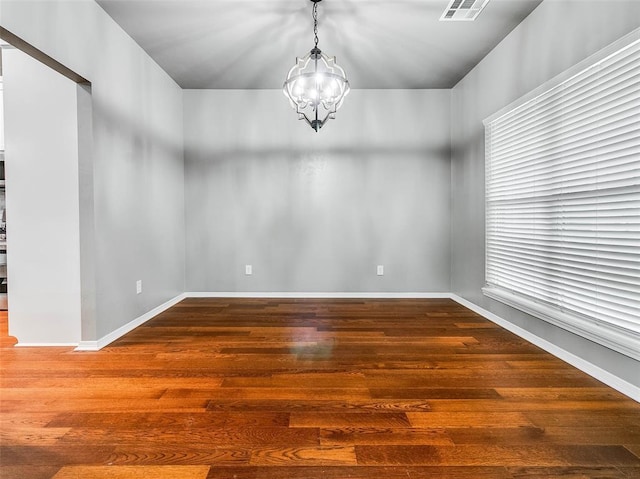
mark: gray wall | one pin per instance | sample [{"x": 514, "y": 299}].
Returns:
[
  {"x": 556, "y": 36},
  {"x": 134, "y": 174},
  {"x": 316, "y": 212}
]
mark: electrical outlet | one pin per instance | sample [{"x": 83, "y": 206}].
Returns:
[
  {"x": 380, "y": 270},
  {"x": 139, "y": 286},
  {"x": 248, "y": 269}
]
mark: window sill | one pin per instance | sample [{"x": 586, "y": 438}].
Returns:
[{"x": 620, "y": 339}]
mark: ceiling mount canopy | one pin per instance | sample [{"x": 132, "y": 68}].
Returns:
[{"x": 316, "y": 85}]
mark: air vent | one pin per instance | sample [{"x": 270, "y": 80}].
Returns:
[{"x": 463, "y": 10}]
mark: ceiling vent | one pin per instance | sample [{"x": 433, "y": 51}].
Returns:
[{"x": 463, "y": 10}]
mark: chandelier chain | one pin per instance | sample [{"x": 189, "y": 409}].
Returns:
[{"x": 315, "y": 22}]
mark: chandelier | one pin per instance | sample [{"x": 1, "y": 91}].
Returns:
[{"x": 316, "y": 85}]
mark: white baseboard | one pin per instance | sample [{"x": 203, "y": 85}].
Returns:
[
  {"x": 332, "y": 295},
  {"x": 43, "y": 345},
  {"x": 591, "y": 369},
  {"x": 118, "y": 333},
  {"x": 121, "y": 331}
]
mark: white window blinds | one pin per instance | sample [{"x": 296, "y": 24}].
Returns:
[{"x": 563, "y": 203}]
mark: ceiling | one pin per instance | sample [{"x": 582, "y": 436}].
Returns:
[{"x": 248, "y": 44}]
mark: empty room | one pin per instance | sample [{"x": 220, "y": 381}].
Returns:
[{"x": 319, "y": 239}]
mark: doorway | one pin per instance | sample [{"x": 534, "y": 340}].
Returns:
[{"x": 41, "y": 159}]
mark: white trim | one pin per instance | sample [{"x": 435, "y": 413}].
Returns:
[
  {"x": 121, "y": 331},
  {"x": 591, "y": 369},
  {"x": 622, "y": 340},
  {"x": 118, "y": 333},
  {"x": 333, "y": 295},
  {"x": 44, "y": 345}
]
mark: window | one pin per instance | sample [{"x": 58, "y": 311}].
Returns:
[{"x": 563, "y": 200}]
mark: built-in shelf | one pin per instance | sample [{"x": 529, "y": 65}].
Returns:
[{"x": 3, "y": 242}]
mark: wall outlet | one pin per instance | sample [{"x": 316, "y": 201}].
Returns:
[
  {"x": 248, "y": 269},
  {"x": 139, "y": 286},
  {"x": 380, "y": 270}
]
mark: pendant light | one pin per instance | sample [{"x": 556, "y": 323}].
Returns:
[{"x": 316, "y": 85}]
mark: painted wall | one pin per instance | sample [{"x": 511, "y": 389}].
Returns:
[
  {"x": 316, "y": 212},
  {"x": 43, "y": 229},
  {"x": 135, "y": 172},
  {"x": 556, "y": 36}
]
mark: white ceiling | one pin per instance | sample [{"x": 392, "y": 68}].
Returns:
[{"x": 251, "y": 44}]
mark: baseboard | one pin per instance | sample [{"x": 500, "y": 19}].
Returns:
[
  {"x": 591, "y": 369},
  {"x": 330, "y": 295},
  {"x": 121, "y": 331},
  {"x": 44, "y": 345},
  {"x": 118, "y": 333}
]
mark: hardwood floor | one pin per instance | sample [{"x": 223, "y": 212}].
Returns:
[{"x": 310, "y": 389}]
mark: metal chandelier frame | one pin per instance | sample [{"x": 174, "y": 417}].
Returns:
[{"x": 316, "y": 85}]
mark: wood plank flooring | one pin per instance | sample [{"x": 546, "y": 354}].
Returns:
[{"x": 310, "y": 389}]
